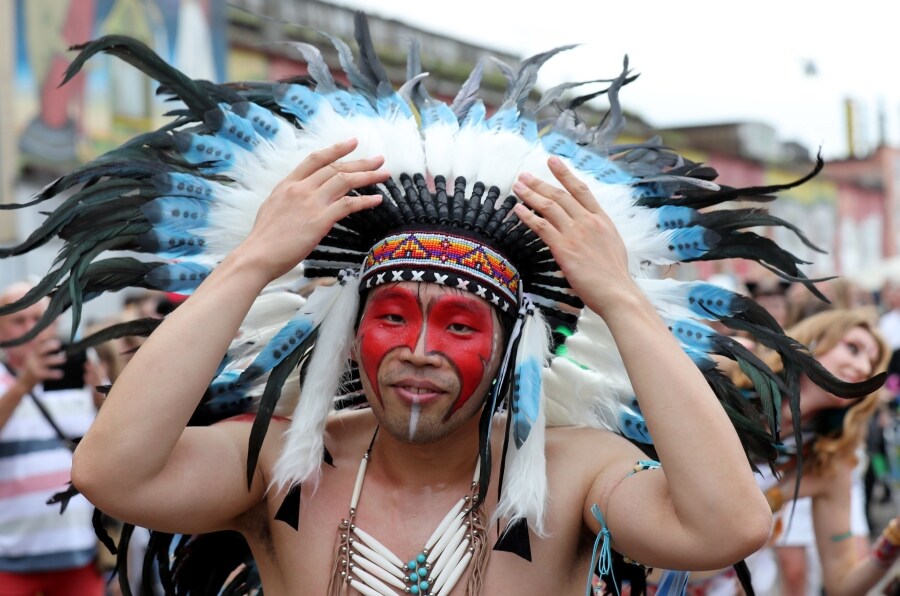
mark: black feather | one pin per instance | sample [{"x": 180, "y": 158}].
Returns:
[{"x": 136, "y": 53}]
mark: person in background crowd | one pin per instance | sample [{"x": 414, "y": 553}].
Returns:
[
  {"x": 770, "y": 292},
  {"x": 42, "y": 552},
  {"x": 848, "y": 344}
]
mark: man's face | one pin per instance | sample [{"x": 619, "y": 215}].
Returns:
[
  {"x": 427, "y": 355},
  {"x": 18, "y": 323}
]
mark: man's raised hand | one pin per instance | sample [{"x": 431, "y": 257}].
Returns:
[
  {"x": 583, "y": 239},
  {"x": 307, "y": 203}
]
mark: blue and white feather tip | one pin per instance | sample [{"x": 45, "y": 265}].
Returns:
[{"x": 530, "y": 360}]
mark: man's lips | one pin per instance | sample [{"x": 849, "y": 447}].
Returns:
[{"x": 416, "y": 391}]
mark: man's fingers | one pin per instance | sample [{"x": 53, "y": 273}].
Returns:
[
  {"x": 343, "y": 182},
  {"x": 318, "y": 160},
  {"x": 540, "y": 226},
  {"x": 576, "y": 187},
  {"x": 49, "y": 346},
  {"x": 322, "y": 175},
  {"x": 563, "y": 199},
  {"x": 550, "y": 209},
  {"x": 352, "y": 203}
]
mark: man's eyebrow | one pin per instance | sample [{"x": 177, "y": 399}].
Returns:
[
  {"x": 393, "y": 292},
  {"x": 471, "y": 304}
]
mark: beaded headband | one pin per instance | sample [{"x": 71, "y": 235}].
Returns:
[{"x": 444, "y": 259}]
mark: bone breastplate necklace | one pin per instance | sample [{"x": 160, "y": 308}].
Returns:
[{"x": 370, "y": 568}]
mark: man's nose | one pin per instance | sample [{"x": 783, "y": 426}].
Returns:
[{"x": 419, "y": 355}]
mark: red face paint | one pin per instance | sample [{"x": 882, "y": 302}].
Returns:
[{"x": 459, "y": 329}]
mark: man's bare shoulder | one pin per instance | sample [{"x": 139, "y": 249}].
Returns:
[
  {"x": 588, "y": 452},
  {"x": 348, "y": 433}
]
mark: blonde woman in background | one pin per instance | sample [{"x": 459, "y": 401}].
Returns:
[{"x": 848, "y": 344}]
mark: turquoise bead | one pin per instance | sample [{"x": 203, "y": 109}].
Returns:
[
  {"x": 414, "y": 589},
  {"x": 423, "y": 586},
  {"x": 413, "y": 577},
  {"x": 421, "y": 559},
  {"x": 422, "y": 572},
  {"x": 411, "y": 565}
]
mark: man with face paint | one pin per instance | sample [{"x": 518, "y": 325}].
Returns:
[{"x": 428, "y": 356}]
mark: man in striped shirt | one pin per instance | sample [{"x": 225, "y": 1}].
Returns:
[{"x": 41, "y": 551}]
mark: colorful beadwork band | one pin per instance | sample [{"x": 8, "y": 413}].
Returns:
[{"x": 445, "y": 259}]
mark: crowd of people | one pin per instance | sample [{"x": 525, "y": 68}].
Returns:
[
  {"x": 820, "y": 541},
  {"x": 47, "y": 403}
]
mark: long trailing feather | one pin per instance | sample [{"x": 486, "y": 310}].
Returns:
[{"x": 147, "y": 61}]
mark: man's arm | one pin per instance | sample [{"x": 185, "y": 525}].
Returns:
[
  {"x": 38, "y": 366},
  {"x": 703, "y": 510},
  {"x": 138, "y": 462}
]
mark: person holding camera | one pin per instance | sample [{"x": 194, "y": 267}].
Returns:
[{"x": 40, "y": 413}]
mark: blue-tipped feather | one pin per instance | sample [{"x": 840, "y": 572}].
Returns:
[
  {"x": 262, "y": 120},
  {"x": 299, "y": 101},
  {"x": 171, "y": 244},
  {"x": 224, "y": 398},
  {"x": 556, "y": 143},
  {"x": 672, "y": 217},
  {"x": 600, "y": 167},
  {"x": 633, "y": 426},
  {"x": 710, "y": 300},
  {"x": 183, "y": 185},
  {"x": 232, "y": 127},
  {"x": 176, "y": 213},
  {"x": 691, "y": 243},
  {"x": 177, "y": 277},
  {"x": 434, "y": 112},
  {"x": 284, "y": 342},
  {"x": 526, "y": 398},
  {"x": 475, "y": 115},
  {"x": 214, "y": 153},
  {"x": 692, "y": 334}
]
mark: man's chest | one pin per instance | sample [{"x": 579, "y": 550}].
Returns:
[{"x": 324, "y": 552}]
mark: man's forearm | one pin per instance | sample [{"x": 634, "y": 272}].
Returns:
[{"x": 154, "y": 397}]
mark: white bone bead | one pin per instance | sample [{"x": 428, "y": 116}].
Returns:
[
  {"x": 450, "y": 567},
  {"x": 457, "y": 573},
  {"x": 377, "y": 546},
  {"x": 373, "y": 582},
  {"x": 449, "y": 533},
  {"x": 364, "y": 589},
  {"x": 444, "y": 523},
  {"x": 370, "y": 554},
  {"x": 377, "y": 571},
  {"x": 448, "y": 552},
  {"x": 357, "y": 488}
]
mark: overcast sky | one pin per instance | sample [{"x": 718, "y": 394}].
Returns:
[{"x": 790, "y": 64}]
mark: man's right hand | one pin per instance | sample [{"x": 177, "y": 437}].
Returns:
[
  {"x": 304, "y": 206},
  {"x": 42, "y": 364}
]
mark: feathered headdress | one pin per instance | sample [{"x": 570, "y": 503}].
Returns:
[{"x": 187, "y": 194}]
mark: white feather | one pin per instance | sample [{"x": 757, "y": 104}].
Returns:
[
  {"x": 525, "y": 486},
  {"x": 502, "y": 155},
  {"x": 301, "y": 457},
  {"x": 437, "y": 142}
]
